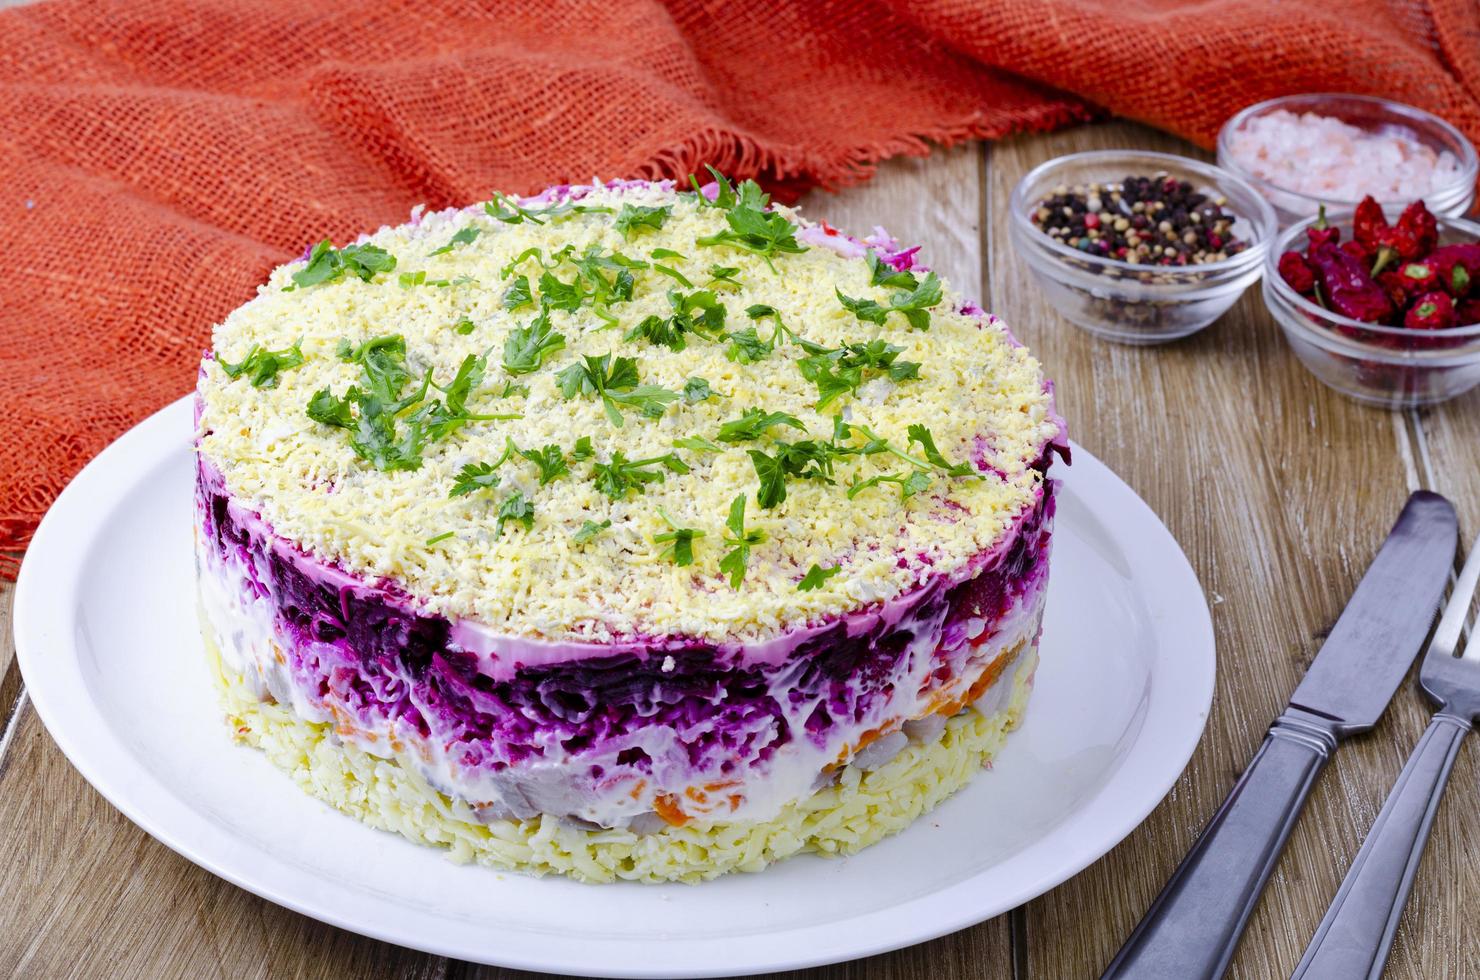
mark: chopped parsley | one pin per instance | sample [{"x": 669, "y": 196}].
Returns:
[
  {"x": 261, "y": 367},
  {"x": 466, "y": 236},
  {"x": 550, "y": 461},
  {"x": 616, "y": 383},
  {"x": 590, "y": 529},
  {"x": 518, "y": 296},
  {"x": 464, "y": 326},
  {"x": 724, "y": 275},
  {"x": 526, "y": 348},
  {"x": 408, "y": 280},
  {"x": 698, "y": 444},
  {"x": 510, "y": 211},
  {"x": 680, "y": 541},
  {"x": 913, "y": 304},
  {"x": 622, "y": 476},
  {"x": 883, "y": 274},
  {"x": 740, "y": 542},
  {"x": 474, "y": 477},
  {"x": 633, "y": 217},
  {"x": 440, "y": 537},
  {"x": 752, "y": 228},
  {"x": 842, "y": 370},
  {"x": 389, "y": 427},
  {"x": 667, "y": 253},
  {"x": 673, "y": 274},
  {"x": 815, "y": 577},
  {"x": 754, "y": 423},
  {"x": 517, "y": 508},
  {"x": 696, "y": 390},
  {"x": 329, "y": 264},
  {"x": 808, "y": 459}
]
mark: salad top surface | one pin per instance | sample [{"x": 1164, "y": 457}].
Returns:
[{"x": 625, "y": 411}]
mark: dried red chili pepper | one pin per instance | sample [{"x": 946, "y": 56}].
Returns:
[
  {"x": 1401, "y": 240},
  {"x": 1392, "y": 283},
  {"x": 1357, "y": 251},
  {"x": 1297, "y": 272},
  {"x": 1322, "y": 231},
  {"x": 1367, "y": 222},
  {"x": 1458, "y": 266},
  {"x": 1417, "y": 221},
  {"x": 1419, "y": 277},
  {"x": 1467, "y": 312},
  {"x": 1347, "y": 286},
  {"x": 1433, "y": 311}
]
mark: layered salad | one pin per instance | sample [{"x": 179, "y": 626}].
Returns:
[{"x": 624, "y": 531}]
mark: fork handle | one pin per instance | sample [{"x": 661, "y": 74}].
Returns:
[{"x": 1354, "y": 938}]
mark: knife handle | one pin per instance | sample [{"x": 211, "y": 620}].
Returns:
[
  {"x": 1193, "y": 927},
  {"x": 1354, "y": 938}
]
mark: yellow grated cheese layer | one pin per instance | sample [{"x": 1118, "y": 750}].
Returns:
[
  {"x": 978, "y": 393},
  {"x": 860, "y": 809}
]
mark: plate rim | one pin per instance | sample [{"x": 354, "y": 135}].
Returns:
[{"x": 119, "y": 468}]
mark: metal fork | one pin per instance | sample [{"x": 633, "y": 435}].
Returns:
[{"x": 1354, "y": 938}]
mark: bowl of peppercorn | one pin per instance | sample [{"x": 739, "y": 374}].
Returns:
[
  {"x": 1381, "y": 304},
  {"x": 1139, "y": 247}
]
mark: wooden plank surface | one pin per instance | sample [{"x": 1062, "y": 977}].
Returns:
[{"x": 1278, "y": 490}]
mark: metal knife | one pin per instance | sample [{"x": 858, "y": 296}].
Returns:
[{"x": 1194, "y": 925}]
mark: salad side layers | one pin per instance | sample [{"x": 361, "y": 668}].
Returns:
[{"x": 637, "y": 516}]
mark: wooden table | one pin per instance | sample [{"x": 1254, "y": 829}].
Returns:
[{"x": 1278, "y": 490}]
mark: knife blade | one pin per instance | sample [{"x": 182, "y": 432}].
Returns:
[
  {"x": 1194, "y": 925},
  {"x": 1358, "y": 668}
]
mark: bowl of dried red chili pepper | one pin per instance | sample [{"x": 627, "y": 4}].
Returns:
[
  {"x": 1139, "y": 247},
  {"x": 1383, "y": 306}
]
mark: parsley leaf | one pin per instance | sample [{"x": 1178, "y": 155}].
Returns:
[
  {"x": 752, "y": 229},
  {"x": 754, "y": 423},
  {"x": 464, "y": 237},
  {"x": 698, "y": 444},
  {"x": 583, "y": 450},
  {"x": 464, "y": 326},
  {"x": 673, "y": 274},
  {"x": 634, "y": 217},
  {"x": 440, "y": 537},
  {"x": 696, "y": 390},
  {"x": 913, "y": 305},
  {"x": 807, "y": 459},
  {"x": 614, "y": 382},
  {"x": 747, "y": 347},
  {"x": 921, "y": 435},
  {"x": 407, "y": 280},
  {"x": 740, "y": 541},
  {"x": 725, "y": 275},
  {"x": 667, "y": 253},
  {"x": 622, "y": 476},
  {"x": 518, "y": 295},
  {"x": 329, "y": 264},
  {"x": 550, "y": 461},
  {"x": 882, "y": 274},
  {"x": 474, "y": 477},
  {"x": 842, "y": 370},
  {"x": 262, "y": 366},
  {"x": 589, "y": 529},
  {"x": 509, "y": 211},
  {"x": 561, "y": 295},
  {"x": 526, "y": 348},
  {"x": 680, "y": 541},
  {"x": 515, "y": 508},
  {"x": 816, "y": 576},
  {"x": 326, "y": 409}
]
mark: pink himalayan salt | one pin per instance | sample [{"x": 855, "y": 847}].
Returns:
[{"x": 1327, "y": 158}]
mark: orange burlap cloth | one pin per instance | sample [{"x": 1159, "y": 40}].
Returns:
[{"x": 158, "y": 157}]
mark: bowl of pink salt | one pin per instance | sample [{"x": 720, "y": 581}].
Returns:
[{"x": 1305, "y": 151}]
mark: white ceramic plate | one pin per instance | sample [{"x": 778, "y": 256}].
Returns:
[{"x": 106, "y": 630}]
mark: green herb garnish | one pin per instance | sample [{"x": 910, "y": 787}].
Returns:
[
  {"x": 329, "y": 264},
  {"x": 752, "y": 228},
  {"x": 815, "y": 577},
  {"x": 622, "y": 476},
  {"x": 550, "y": 461},
  {"x": 740, "y": 541},
  {"x": 463, "y": 237},
  {"x": 633, "y": 217},
  {"x": 515, "y": 508},
  {"x": 589, "y": 529},
  {"x": 914, "y": 305},
  {"x": 754, "y": 423},
  {"x": 464, "y": 326},
  {"x": 526, "y": 348},
  {"x": 614, "y": 382},
  {"x": 261, "y": 367},
  {"x": 440, "y": 537},
  {"x": 518, "y": 294},
  {"x": 680, "y": 541}
]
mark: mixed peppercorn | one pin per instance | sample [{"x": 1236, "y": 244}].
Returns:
[
  {"x": 1396, "y": 275},
  {"x": 1155, "y": 220}
]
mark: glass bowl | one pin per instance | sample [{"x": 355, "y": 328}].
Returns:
[
  {"x": 1138, "y": 303},
  {"x": 1390, "y": 366},
  {"x": 1371, "y": 114}
]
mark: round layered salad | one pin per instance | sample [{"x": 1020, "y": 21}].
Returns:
[{"x": 625, "y": 531}]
